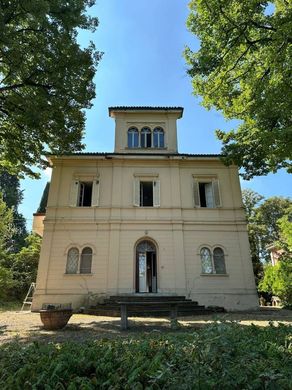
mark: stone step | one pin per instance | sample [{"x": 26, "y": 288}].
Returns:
[{"x": 145, "y": 298}]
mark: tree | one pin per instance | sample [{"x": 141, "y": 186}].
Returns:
[
  {"x": 263, "y": 217},
  {"x": 285, "y": 226},
  {"x": 278, "y": 280},
  {"x": 243, "y": 69},
  {"x": 251, "y": 200},
  {"x": 45, "y": 80},
  {"x": 44, "y": 199},
  {"x": 6, "y": 227},
  {"x": 25, "y": 264},
  {"x": 12, "y": 196}
]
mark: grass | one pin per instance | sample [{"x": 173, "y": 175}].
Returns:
[
  {"x": 218, "y": 356},
  {"x": 10, "y": 305}
]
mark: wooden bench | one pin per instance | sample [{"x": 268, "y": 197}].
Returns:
[{"x": 169, "y": 307}]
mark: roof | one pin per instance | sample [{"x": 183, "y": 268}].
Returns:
[
  {"x": 144, "y": 108},
  {"x": 107, "y": 154}
]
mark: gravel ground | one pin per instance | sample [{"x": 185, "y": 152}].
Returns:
[{"x": 27, "y": 326}]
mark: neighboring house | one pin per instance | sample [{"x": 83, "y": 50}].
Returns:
[
  {"x": 275, "y": 253},
  {"x": 145, "y": 220},
  {"x": 38, "y": 223}
]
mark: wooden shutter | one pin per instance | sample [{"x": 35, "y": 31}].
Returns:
[
  {"x": 95, "y": 193},
  {"x": 196, "y": 194},
  {"x": 136, "y": 192},
  {"x": 156, "y": 193},
  {"x": 216, "y": 190},
  {"x": 74, "y": 193}
]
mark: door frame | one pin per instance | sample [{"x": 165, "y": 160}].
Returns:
[{"x": 136, "y": 263}]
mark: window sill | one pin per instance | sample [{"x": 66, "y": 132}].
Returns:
[
  {"x": 220, "y": 275},
  {"x": 78, "y": 274}
]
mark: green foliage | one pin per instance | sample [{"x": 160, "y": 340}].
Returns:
[
  {"x": 6, "y": 282},
  {"x": 12, "y": 196},
  {"x": 285, "y": 226},
  {"x": 243, "y": 68},
  {"x": 262, "y": 217},
  {"x": 221, "y": 356},
  {"x": 44, "y": 200},
  {"x": 45, "y": 80},
  {"x": 25, "y": 265},
  {"x": 6, "y": 226},
  {"x": 278, "y": 280}
]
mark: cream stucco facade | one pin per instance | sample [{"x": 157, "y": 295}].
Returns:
[{"x": 176, "y": 221}]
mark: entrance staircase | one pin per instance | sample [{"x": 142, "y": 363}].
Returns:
[{"x": 111, "y": 306}]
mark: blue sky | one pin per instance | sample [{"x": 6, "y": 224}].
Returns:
[{"x": 143, "y": 64}]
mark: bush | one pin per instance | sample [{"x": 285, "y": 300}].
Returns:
[
  {"x": 278, "y": 280},
  {"x": 221, "y": 356}
]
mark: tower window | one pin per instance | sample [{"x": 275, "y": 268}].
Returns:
[
  {"x": 133, "y": 137},
  {"x": 145, "y": 137},
  {"x": 158, "y": 137}
]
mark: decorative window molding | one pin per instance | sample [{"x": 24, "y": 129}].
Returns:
[
  {"x": 212, "y": 261},
  {"x": 146, "y": 191},
  {"x": 79, "y": 262},
  {"x": 84, "y": 191},
  {"x": 206, "y": 191}
]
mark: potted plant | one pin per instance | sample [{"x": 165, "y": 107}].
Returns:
[{"x": 55, "y": 316}]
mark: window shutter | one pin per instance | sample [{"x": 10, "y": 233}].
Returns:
[
  {"x": 217, "y": 199},
  {"x": 95, "y": 193},
  {"x": 196, "y": 194},
  {"x": 74, "y": 193},
  {"x": 136, "y": 192},
  {"x": 156, "y": 193}
]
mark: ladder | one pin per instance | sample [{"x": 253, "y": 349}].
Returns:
[{"x": 29, "y": 295}]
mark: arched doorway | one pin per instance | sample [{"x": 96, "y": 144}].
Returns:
[{"x": 146, "y": 267}]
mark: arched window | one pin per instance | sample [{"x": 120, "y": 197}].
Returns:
[
  {"x": 219, "y": 261},
  {"x": 206, "y": 260},
  {"x": 213, "y": 263},
  {"x": 86, "y": 260},
  {"x": 72, "y": 261},
  {"x": 158, "y": 137},
  {"x": 145, "y": 137},
  {"x": 133, "y": 137}
]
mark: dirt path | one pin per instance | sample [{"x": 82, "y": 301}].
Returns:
[{"x": 27, "y": 326}]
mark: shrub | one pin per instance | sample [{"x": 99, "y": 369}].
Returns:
[{"x": 221, "y": 356}]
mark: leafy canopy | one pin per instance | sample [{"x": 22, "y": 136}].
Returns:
[
  {"x": 45, "y": 79},
  {"x": 243, "y": 68}
]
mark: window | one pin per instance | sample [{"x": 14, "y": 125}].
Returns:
[
  {"x": 213, "y": 264},
  {"x": 84, "y": 193},
  {"x": 85, "y": 262},
  {"x": 206, "y": 193},
  {"x": 74, "y": 260},
  {"x": 146, "y": 192},
  {"x": 133, "y": 137},
  {"x": 145, "y": 137},
  {"x": 158, "y": 137}
]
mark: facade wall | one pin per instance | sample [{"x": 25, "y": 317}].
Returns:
[{"x": 113, "y": 228}]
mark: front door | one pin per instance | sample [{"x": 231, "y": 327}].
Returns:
[{"x": 146, "y": 268}]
